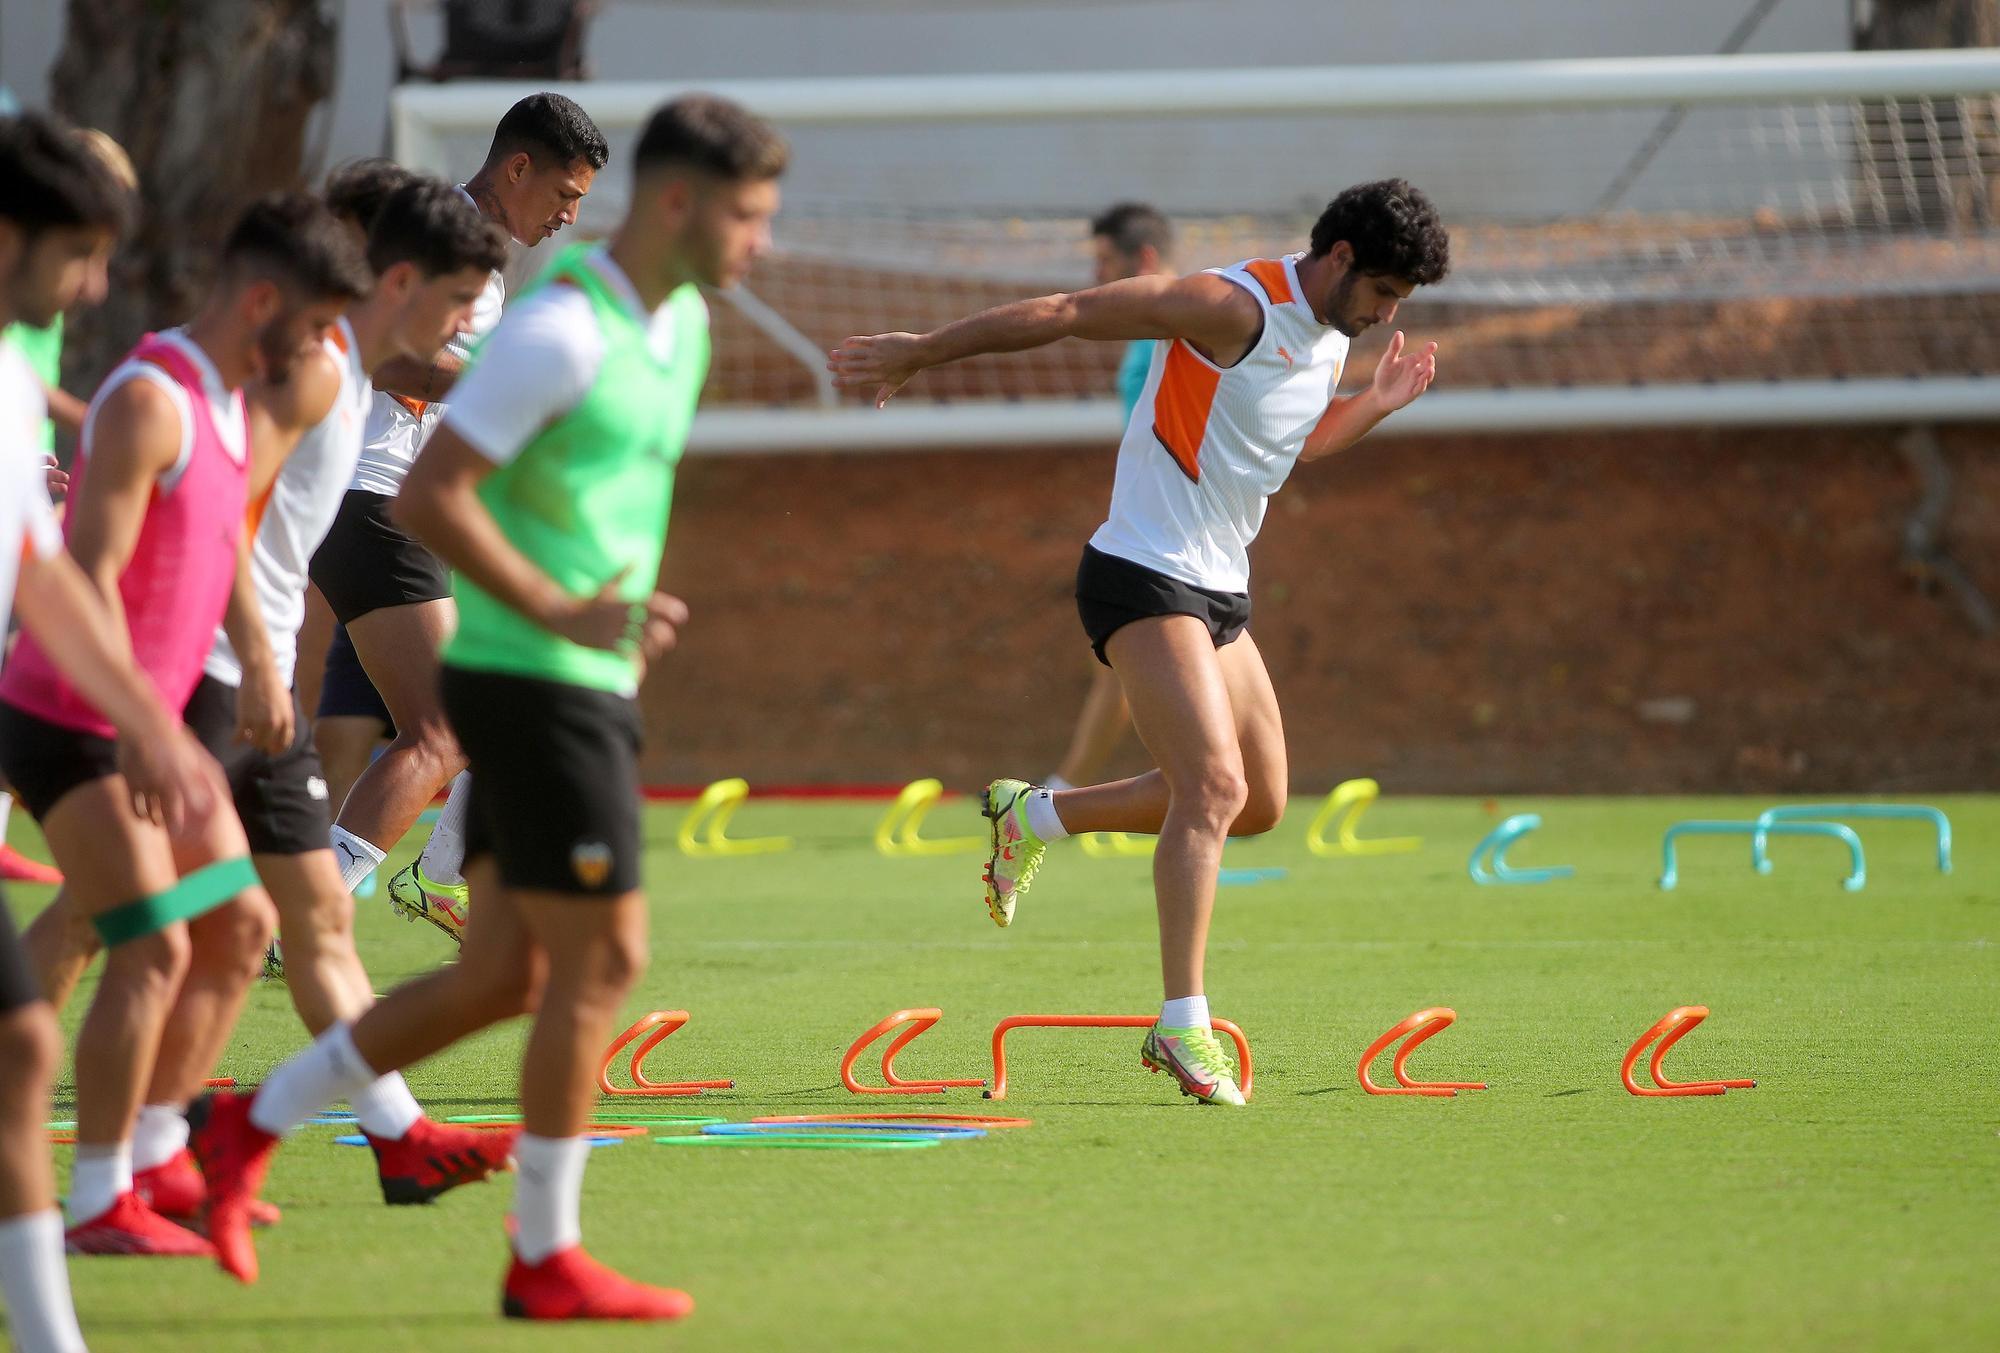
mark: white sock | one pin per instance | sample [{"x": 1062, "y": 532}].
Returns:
[
  {"x": 100, "y": 1177},
  {"x": 386, "y": 1107},
  {"x": 1185, "y": 1012},
  {"x": 160, "y": 1134},
  {"x": 548, "y": 1197},
  {"x": 357, "y": 858},
  {"x": 331, "y": 1069},
  {"x": 1043, "y": 819},
  {"x": 6, "y": 810},
  {"x": 1055, "y": 784},
  {"x": 40, "y": 1316},
  {"x": 444, "y": 853}
]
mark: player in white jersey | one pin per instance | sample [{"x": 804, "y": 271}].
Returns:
[
  {"x": 60, "y": 211},
  {"x": 431, "y": 253},
  {"x": 1246, "y": 361},
  {"x": 392, "y": 594}
]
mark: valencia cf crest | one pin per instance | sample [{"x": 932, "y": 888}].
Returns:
[{"x": 590, "y": 861}]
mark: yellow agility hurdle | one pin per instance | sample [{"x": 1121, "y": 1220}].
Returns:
[
  {"x": 900, "y": 833},
  {"x": 705, "y": 829},
  {"x": 1348, "y": 802}
]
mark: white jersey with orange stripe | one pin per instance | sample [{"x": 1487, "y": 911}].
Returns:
[{"x": 1207, "y": 446}]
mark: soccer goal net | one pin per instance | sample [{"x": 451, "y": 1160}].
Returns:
[{"x": 1726, "y": 240}]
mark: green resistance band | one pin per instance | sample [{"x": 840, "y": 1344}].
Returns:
[{"x": 196, "y": 895}]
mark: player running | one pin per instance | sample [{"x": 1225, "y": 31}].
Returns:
[
  {"x": 390, "y": 593},
  {"x": 155, "y": 519},
  {"x": 1245, "y": 364},
  {"x": 431, "y": 253},
  {"x": 547, "y": 488},
  {"x": 60, "y": 215}
]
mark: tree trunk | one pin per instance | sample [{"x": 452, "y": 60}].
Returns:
[
  {"x": 1928, "y": 163},
  {"x": 211, "y": 99}
]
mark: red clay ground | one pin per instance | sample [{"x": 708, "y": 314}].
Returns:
[{"x": 1464, "y": 615}]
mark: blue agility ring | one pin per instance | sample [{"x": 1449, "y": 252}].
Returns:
[{"x": 1761, "y": 861}]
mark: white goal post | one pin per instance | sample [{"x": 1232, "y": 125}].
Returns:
[{"x": 1733, "y": 240}]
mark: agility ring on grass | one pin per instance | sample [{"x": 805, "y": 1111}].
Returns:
[
  {"x": 1791, "y": 812},
  {"x": 1113, "y": 845},
  {"x": 918, "y": 1021},
  {"x": 984, "y": 1120},
  {"x": 662, "y": 1024},
  {"x": 1675, "y": 1025},
  {"x": 1420, "y": 1026},
  {"x": 705, "y": 829},
  {"x": 1489, "y": 858},
  {"x": 1670, "y": 874},
  {"x": 1012, "y": 1022},
  {"x": 900, "y": 832}
]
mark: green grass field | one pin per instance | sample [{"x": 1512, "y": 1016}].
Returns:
[{"x": 1851, "y": 1201}]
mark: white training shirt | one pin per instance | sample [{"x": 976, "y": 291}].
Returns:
[
  {"x": 398, "y": 427},
  {"x": 303, "y": 501},
  {"x": 1207, "y": 446},
  {"x": 27, "y": 518},
  {"x": 542, "y": 362}
]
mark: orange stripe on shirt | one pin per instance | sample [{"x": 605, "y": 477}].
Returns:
[
  {"x": 1270, "y": 275},
  {"x": 415, "y": 406},
  {"x": 1181, "y": 405}
]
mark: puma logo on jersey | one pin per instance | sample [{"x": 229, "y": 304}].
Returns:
[{"x": 1286, "y": 355}]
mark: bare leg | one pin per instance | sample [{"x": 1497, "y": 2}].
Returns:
[
  {"x": 399, "y": 647},
  {"x": 596, "y": 951},
  {"x": 30, "y": 1049},
  {"x": 60, "y": 945},
  {"x": 316, "y": 924},
  {"x": 345, "y": 743},
  {"x": 1099, "y": 729}
]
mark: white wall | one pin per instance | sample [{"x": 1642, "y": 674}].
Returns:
[{"x": 690, "y": 39}]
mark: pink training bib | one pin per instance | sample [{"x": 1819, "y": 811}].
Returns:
[{"x": 176, "y": 586}]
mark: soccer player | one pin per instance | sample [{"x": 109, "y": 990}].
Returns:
[
  {"x": 155, "y": 518},
  {"x": 1246, "y": 361},
  {"x": 547, "y": 489},
  {"x": 431, "y": 253},
  {"x": 1128, "y": 240},
  {"x": 41, "y": 345},
  {"x": 60, "y": 213},
  {"x": 390, "y": 593}
]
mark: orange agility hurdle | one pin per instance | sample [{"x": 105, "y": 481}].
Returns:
[
  {"x": 663, "y": 1023},
  {"x": 999, "y": 1090},
  {"x": 1420, "y": 1026},
  {"x": 1675, "y": 1025},
  {"x": 919, "y": 1021}
]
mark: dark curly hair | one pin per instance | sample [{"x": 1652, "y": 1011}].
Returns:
[{"x": 1392, "y": 228}]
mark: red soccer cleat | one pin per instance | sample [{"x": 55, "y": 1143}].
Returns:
[
  {"x": 18, "y": 868},
  {"x": 129, "y": 1226},
  {"x": 434, "y": 1158},
  {"x": 233, "y": 1153},
  {"x": 176, "y": 1190},
  {"x": 570, "y": 1285}
]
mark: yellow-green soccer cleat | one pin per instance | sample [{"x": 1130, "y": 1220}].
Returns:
[
  {"x": 1196, "y": 1060},
  {"x": 1017, "y": 851},
  {"x": 416, "y": 898},
  {"x": 274, "y": 963}
]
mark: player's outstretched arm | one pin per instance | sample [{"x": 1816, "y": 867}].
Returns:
[
  {"x": 171, "y": 777},
  {"x": 134, "y": 439},
  {"x": 1400, "y": 377},
  {"x": 1217, "y": 316}
]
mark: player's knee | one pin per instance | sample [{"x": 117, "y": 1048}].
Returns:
[
  {"x": 151, "y": 966},
  {"x": 233, "y": 937},
  {"x": 30, "y": 1048},
  {"x": 1215, "y": 795},
  {"x": 1262, "y": 812}
]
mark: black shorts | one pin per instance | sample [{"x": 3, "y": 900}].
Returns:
[
  {"x": 1111, "y": 593},
  {"x": 345, "y": 692},
  {"x": 555, "y": 780},
  {"x": 281, "y": 799},
  {"x": 17, "y": 983},
  {"x": 44, "y": 761},
  {"x": 367, "y": 562}
]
